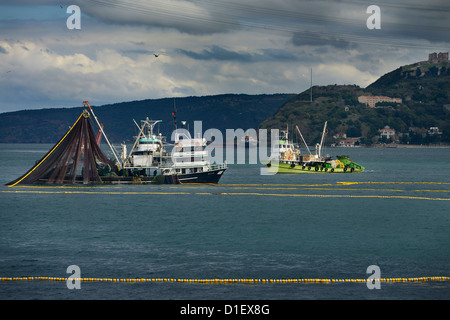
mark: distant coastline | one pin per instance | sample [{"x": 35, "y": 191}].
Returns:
[
  {"x": 413, "y": 146},
  {"x": 398, "y": 146}
]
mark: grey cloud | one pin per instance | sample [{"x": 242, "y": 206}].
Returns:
[
  {"x": 30, "y": 2},
  {"x": 221, "y": 54},
  {"x": 280, "y": 55},
  {"x": 403, "y": 24},
  {"x": 403, "y": 19},
  {"x": 217, "y": 53},
  {"x": 184, "y": 16},
  {"x": 288, "y": 36},
  {"x": 136, "y": 51},
  {"x": 308, "y": 38},
  {"x": 185, "y": 91}
]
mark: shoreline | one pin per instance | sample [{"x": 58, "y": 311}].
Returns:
[{"x": 399, "y": 146}]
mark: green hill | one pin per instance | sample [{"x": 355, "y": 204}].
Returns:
[
  {"x": 219, "y": 111},
  {"x": 423, "y": 87}
]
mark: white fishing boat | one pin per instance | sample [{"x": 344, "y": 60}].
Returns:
[
  {"x": 190, "y": 161},
  {"x": 152, "y": 159}
]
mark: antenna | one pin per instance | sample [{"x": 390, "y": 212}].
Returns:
[{"x": 174, "y": 114}]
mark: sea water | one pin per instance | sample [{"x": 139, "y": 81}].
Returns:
[{"x": 395, "y": 215}]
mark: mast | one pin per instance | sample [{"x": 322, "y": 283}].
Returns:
[
  {"x": 174, "y": 114},
  {"x": 321, "y": 142},
  {"x": 141, "y": 132},
  {"x": 101, "y": 129},
  {"x": 311, "y": 88},
  {"x": 287, "y": 132},
  {"x": 146, "y": 123}
]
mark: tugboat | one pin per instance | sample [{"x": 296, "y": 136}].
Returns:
[{"x": 290, "y": 159}]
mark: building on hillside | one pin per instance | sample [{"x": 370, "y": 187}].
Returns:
[
  {"x": 434, "y": 131},
  {"x": 387, "y": 132},
  {"x": 349, "y": 142},
  {"x": 371, "y": 101}
]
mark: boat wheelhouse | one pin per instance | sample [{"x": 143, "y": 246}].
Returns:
[
  {"x": 288, "y": 151},
  {"x": 190, "y": 160},
  {"x": 147, "y": 154}
]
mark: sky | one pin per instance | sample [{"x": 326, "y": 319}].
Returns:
[{"x": 204, "y": 47}]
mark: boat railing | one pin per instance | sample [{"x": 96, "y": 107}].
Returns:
[
  {"x": 196, "y": 153},
  {"x": 218, "y": 166}
]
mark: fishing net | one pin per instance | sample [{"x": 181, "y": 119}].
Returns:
[{"x": 76, "y": 158}]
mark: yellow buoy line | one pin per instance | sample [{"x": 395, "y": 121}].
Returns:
[
  {"x": 239, "y": 190},
  {"x": 229, "y": 194},
  {"x": 323, "y": 195},
  {"x": 230, "y": 281},
  {"x": 239, "y": 185},
  {"x": 390, "y": 182},
  {"x": 261, "y": 186}
]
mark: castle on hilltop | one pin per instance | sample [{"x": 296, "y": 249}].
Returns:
[
  {"x": 438, "y": 57},
  {"x": 436, "y": 63}
]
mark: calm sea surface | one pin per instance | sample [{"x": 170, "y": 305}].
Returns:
[{"x": 395, "y": 215}]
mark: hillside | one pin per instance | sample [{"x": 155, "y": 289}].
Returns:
[
  {"x": 219, "y": 111},
  {"x": 423, "y": 87}
]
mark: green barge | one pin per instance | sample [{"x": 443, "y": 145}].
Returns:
[{"x": 290, "y": 160}]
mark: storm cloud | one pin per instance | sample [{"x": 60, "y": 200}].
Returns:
[{"x": 131, "y": 50}]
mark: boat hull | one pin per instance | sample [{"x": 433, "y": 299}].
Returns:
[
  {"x": 291, "y": 167},
  {"x": 211, "y": 177}
]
